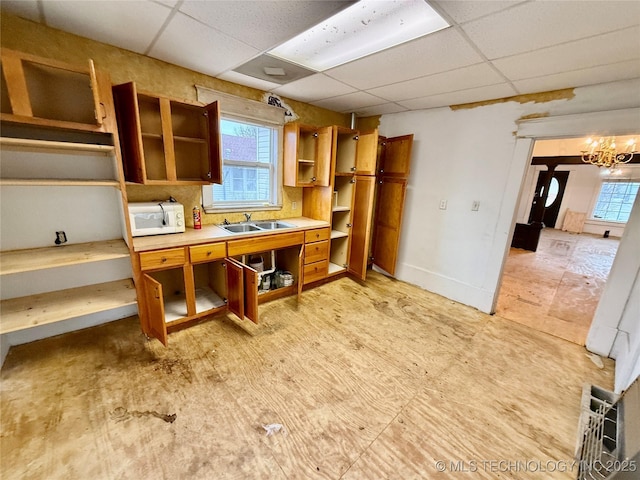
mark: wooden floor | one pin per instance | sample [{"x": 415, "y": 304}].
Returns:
[
  {"x": 368, "y": 382},
  {"x": 556, "y": 289}
]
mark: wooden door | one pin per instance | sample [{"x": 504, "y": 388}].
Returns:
[
  {"x": 396, "y": 159},
  {"x": 362, "y": 209},
  {"x": 154, "y": 309},
  {"x": 323, "y": 156},
  {"x": 250, "y": 293},
  {"x": 389, "y": 209},
  {"x": 99, "y": 108},
  {"x": 212, "y": 112},
  {"x": 300, "y": 271},
  {"x": 125, "y": 99},
  {"x": 235, "y": 287},
  {"x": 366, "y": 153}
]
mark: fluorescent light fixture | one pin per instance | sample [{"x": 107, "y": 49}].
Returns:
[{"x": 365, "y": 27}]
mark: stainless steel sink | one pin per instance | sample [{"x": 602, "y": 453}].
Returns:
[
  {"x": 256, "y": 226},
  {"x": 272, "y": 225},
  {"x": 241, "y": 228}
]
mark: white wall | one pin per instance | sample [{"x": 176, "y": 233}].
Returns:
[{"x": 466, "y": 155}]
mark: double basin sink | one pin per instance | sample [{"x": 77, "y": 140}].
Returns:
[{"x": 258, "y": 226}]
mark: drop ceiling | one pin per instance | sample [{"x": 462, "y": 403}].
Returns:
[{"x": 493, "y": 49}]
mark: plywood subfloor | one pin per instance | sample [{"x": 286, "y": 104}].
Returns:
[
  {"x": 368, "y": 381},
  {"x": 557, "y": 288}
]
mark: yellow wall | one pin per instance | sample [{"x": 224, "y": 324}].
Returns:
[{"x": 154, "y": 76}]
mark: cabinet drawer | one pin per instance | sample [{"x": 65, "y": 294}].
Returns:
[
  {"x": 316, "y": 252},
  {"x": 208, "y": 252},
  {"x": 262, "y": 244},
  {"x": 316, "y": 271},
  {"x": 316, "y": 235},
  {"x": 171, "y": 257}
]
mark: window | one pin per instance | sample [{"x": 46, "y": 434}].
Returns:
[
  {"x": 616, "y": 200},
  {"x": 250, "y": 159}
]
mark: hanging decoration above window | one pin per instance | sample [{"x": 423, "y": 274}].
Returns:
[{"x": 604, "y": 153}]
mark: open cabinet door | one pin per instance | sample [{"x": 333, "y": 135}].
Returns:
[
  {"x": 125, "y": 98},
  {"x": 367, "y": 153},
  {"x": 235, "y": 287},
  {"x": 212, "y": 112},
  {"x": 361, "y": 225},
  {"x": 154, "y": 305},
  {"x": 393, "y": 174},
  {"x": 300, "y": 271},
  {"x": 250, "y": 293},
  {"x": 390, "y": 202},
  {"x": 99, "y": 109}
]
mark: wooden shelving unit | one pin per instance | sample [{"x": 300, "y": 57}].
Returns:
[
  {"x": 19, "y": 261},
  {"x": 336, "y": 234},
  {"x": 57, "y": 182},
  {"x": 27, "y": 312}
]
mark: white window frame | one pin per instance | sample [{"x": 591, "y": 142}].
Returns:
[
  {"x": 275, "y": 173},
  {"x": 252, "y": 112},
  {"x": 633, "y": 179}
]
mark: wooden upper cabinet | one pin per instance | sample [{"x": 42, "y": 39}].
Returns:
[
  {"x": 367, "y": 153},
  {"x": 50, "y": 93},
  {"x": 307, "y": 155},
  {"x": 345, "y": 150},
  {"x": 395, "y": 156},
  {"x": 166, "y": 141}
]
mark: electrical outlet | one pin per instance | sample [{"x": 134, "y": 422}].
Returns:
[
  {"x": 443, "y": 204},
  {"x": 294, "y": 205},
  {"x": 475, "y": 206}
]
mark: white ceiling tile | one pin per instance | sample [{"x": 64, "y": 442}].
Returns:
[
  {"x": 261, "y": 24},
  {"x": 438, "y": 52},
  {"x": 253, "y": 82},
  {"x": 490, "y": 92},
  {"x": 349, "y": 102},
  {"x": 384, "y": 109},
  {"x": 133, "y": 27},
  {"x": 614, "y": 47},
  {"x": 579, "y": 78},
  {"x": 535, "y": 25},
  {"x": 314, "y": 87},
  {"x": 465, "y": 10},
  {"x": 183, "y": 40},
  {"x": 22, "y": 8},
  {"x": 459, "y": 79}
]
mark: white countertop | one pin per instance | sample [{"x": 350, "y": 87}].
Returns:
[{"x": 213, "y": 233}]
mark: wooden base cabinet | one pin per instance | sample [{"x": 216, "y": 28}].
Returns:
[{"x": 184, "y": 284}]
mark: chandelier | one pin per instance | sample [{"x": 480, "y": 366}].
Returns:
[{"x": 603, "y": 152}]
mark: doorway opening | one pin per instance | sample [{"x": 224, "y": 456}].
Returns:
[{"x": 557, "y": 287}]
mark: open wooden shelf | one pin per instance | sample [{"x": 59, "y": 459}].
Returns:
[
  {"x": 335, "y": 269},
  {"x": 337, "y": 234},
  {"x": 41, "y": 145},
  {"x": 28, "y": 260},
  {"x": 57, "y": 182},
  {"x": 179, "y": 138},
  {"x": 45, "y": 308},
  {"x": 302, "y": 160},
  {"x": 339, "y": 208}
]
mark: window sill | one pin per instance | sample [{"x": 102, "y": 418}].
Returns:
[{"x": 599, "y": 221}]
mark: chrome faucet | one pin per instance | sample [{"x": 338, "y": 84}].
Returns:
[
  {"x": 226, "y": 222},
  {"x": 247, "y": 216}
]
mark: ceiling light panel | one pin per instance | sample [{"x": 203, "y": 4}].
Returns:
[{"x": 364, "y": 28}]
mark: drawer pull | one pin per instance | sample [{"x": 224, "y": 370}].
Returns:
[
  {"x": 209, "y": 252},
  {"x": 163, "y": 259}
]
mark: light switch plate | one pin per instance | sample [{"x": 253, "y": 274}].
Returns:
[{"x": 443, "y": 204}]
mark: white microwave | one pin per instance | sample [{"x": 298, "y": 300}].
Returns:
[{"x": 156, "y": 218}]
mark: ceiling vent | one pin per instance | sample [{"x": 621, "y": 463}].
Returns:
[{"x": 271, "y": 69}]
